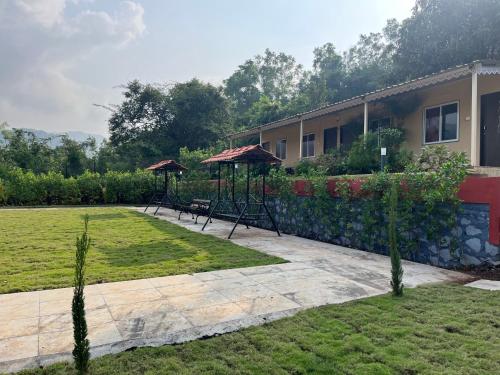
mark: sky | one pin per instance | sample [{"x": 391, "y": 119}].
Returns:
[{"x": 60, "y": 57}]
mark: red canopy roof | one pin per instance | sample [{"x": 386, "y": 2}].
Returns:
[
  {"x": 254, "y": 153},
  {"x": 167, "y": 165}
]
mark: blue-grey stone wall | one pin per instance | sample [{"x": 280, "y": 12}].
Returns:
[{"x": 466, "y": 245}]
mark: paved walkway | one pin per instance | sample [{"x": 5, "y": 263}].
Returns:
[
  {"x": 36, "y": 327},
  {"x": 485, "y": 284}
]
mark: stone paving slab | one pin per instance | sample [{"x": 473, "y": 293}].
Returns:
[
  {"x": 485, "y": 284},
  {"x": 36, "y": 327}
]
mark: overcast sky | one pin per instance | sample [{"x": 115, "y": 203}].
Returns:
[{"x": 58, "y": 57}]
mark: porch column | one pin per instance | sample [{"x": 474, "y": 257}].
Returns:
[
  {"x": 474, "y": 123},
  {"x": 260, "y": 137},
  {"x": 365, "y": 120},
  {"x": 301, "y": 135}
]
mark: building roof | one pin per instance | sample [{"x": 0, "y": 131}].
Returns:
[
  {"x": 454, "y": 73},
  {"x": 253, "y": 153},
  {"x": 167, "y": 165}
]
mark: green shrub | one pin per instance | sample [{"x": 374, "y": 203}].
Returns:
[
  {"x": 305, "y": 167},
  {"x": 23, "y": 188},
  {"x": 89, "y": 185},
  {"x": 81, "y": 349},
  {"x": 334, "y": 162},
  {"x": 3, "y": 193},
  {"x": 53, "y": 187},
  {"x": 396, "y": 267},
  {"x": 432, "y": 158},
  {"x": 364, "y": 155}
]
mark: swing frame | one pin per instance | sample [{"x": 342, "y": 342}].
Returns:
[
  {"x": 165, "y": 198},
  {"x": 249, "y": 155}
]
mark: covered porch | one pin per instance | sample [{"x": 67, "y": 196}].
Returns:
[{"x": 468, "y": 96}]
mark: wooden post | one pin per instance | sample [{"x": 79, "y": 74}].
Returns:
[
  {"x": 474, "y": 124},
  {"x": 218, "y": 182},
  {"x": 248, "y": 183},
  {"x": 301, "y": 136},
  {"x": 365, "y": 119}
]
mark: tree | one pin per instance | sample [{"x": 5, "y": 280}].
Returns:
[
  {"x": 275, "y": 76},
  {"x": 155, "y": 122},
  {"x": 328, "y": 76},
  {"x": 444, "y": 33},
  {"x": 241, "y": 88},
  {"x": 264, "y": 111},
  {"x": 73, "y": 157},
  {"x": 144, "y": 112},
  {"x": 369, "y": 62},
  {"x": 279, "y": 75},
  {"x": 396, "y": 268},
  {"x": 24, "y": 150},
  {"x": 81, "y": 353},
  {"x": 199, "y": 116}
]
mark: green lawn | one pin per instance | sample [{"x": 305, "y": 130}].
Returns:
[
  {"x": 440, "y": 329},
  {"x": 37, "y": 248}
]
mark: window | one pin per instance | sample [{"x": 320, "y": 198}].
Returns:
[
  {"x": 266, "y": 146},
  {"x": 441, "y": 123},
  {"x": 281, "y": 149},
  {"x": 377, "y": 125},
  {"x": 329, "y": 139},
  {"x": 350, "y": 133},
  {"x": 308, "y": 145}
]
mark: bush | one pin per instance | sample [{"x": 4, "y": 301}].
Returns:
[
  {"x": 3, "y": 193},
  {"x": 333, "y": 162},
  {"x": 364, "y": 155},
  {"x": 432, "y": 158},
  {"x": 23, "y": 188},
  {"x": 89, "y": 185}
]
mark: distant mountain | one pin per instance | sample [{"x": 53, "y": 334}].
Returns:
[{"x": 55, "y": 137}]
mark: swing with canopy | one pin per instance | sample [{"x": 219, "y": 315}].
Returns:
[
  {"x": 167, "y": 197},
  {"x": 251, "y": 209}
]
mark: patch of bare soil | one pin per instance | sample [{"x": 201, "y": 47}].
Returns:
[{"x": 486, "y": 272}]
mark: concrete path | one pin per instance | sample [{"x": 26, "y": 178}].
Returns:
[
  {"x": 485, "y": 284},
  {"x": 36, "y": 327}
]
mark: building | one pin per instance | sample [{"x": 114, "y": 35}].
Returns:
[{"x": 458, "y": 107}]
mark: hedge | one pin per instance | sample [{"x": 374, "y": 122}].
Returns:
[{"x": 20, "y": 188}]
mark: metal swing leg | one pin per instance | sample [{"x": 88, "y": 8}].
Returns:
[
  {"x": 237, "y": 221},
  {"x": 150, "y": 201},
  {"x": 272, "y": 220},
  {"x": 209, "y": 218}
]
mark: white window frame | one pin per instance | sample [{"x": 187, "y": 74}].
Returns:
[
  {"x": 314, "y": 146},
  {"x": 440, "y": 106},
  {"x": 286, "y": 146}
]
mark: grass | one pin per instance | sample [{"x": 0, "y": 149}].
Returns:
[
  {"x": 440, "y": 329},
  {"x": 38, "y": 247}
]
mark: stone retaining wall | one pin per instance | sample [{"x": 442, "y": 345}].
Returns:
[{"x": 296, "y": 217}]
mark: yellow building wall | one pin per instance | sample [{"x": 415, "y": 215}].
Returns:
[{"x": 457, "y": 91}]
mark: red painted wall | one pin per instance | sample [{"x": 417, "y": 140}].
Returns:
[{"x": 473, "y": 190}]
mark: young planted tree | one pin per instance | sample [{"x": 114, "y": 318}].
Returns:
[
  {"x": 81, "y": 353},
  {"x": 396, "y": 268}
]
